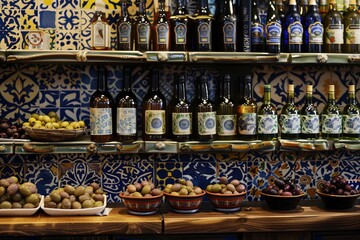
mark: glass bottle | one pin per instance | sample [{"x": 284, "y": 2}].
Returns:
[
  {"x": 228, "y": 27},
  {"x": 181, "y": 114},
  {"x": 226, "y": 113},
  {"x": 179, "y": 28},
  {"x": 124, "y": 29},
  {"x": 351, "y": 116},
  {"x": 161, "y": 29},
  {"x": 257, "y": 31},
  {"x": 267, "y": 119},
  {"x": 246, "y": 113},
  {"x": 205, "y": 114},
  {"x": 290, "y": 117},
  {"x": 126, "y": 105},
  {"x": 303, "y": 8},
  {"x": 273, "y": 29},
  {"x": 293, "y": 29},
  {"x": 323, "y": 8},
  {"x": 154, "y": 111},
  {"x": 142, "y": 29},
  {"x": 310, "y": 122},
  {"x": 313, "y": 29},
  {"x": 334, "y": 29},
  {"x": 331, "y": 122},
  {"x": 203, "y": 21},
  {"x": 100, "y": 29},
  {"x": 352, "y": 29},
  {"x": 101, "y": 115},
  {"x": 279, "y": 6}
]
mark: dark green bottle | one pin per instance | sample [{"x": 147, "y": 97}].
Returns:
[
  {"x": 290, "y": 117},
  {"x": 331, "y": 122},
  {"x": 351, "y": 117},
  {"x": 267, "y": 119}
]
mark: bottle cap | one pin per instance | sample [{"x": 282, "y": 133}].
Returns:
[
  {"x": 267, "y": 88},
  {"x": 351, "y": 88},
  {"x": 309, "y": 88},
  {"x": 291, "y": 88},
  {"x": 292, "y": 2},
  {"x": 331, "y": 88},
  {"x": 312, "y": 2}
]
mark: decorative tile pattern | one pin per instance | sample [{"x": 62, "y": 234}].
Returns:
[{"x": 44, "y": 176}]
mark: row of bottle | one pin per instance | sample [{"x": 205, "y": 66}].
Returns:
[{"x": 205, "y": 121}]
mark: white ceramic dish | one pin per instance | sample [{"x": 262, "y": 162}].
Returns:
[
  {"x": 74, "y": 212},
  {"x": 21, "y": 211}
]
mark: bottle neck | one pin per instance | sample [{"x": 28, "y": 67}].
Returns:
[
  {"x": 228, "y": 8},
  {"x": 101, "y": 84},
  {"x": 203, "y": 8},
  {"x": 142, "y": 8},
  {"x": 204, "y": 90},
  {"x": 161, "y": 8},
  {"x": 181, "y": 8},
  {"x": 226, "y": 90},
  {"x": 248, "y": 89},
  {"x": 291, "y": 98},
  {"x": 309, "y": 97},
  {"x": 127, "y": 80},
  {"x": 182, "y": 90},
  {"x": 124, "y": 12},
  {"x": 331, "y": 99},
  {"x": 267, "y": 96},
  {"x": 155, "y": 82},
  {"x": 352, "y": 98},
  {"x": 332, "y": 6}
]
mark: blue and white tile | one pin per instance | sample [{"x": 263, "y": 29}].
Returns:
[
  {"x": 68, "y": 40},
  {"x": 68, "y": 20},
  {"x": 49, "y": 99},
  {"x": 29, "y": 19},
  {"x": 168, "y": 173},
  {"x": 70, "y": 98},
  {"x": 232, "y": 170},
  {"x": 68, "y": 4},
  {"x": 47, "y": 4},
  {"x": 43, "y": 175},
  {"x": 86, "y": 39}
]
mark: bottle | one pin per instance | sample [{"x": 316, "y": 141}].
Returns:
[
  {"x": 203, "y": 27},
  {"x": 351, "y": 116},
  {"x": 323, "y": 8},
  {"x": 331, "y": 122},
  {"x": 334, "y": 29},
  {"x": 142, "y": 28},
  {"x": 228, "y": 27},
  {"x": 100, "y": 29},
  {"x": 154, "y": 111},
  {"x": 293, "y": 29},
  {"x": 126, "y": 105},
  {"x": 246, "y": 113},
  {"x": 310, "y": 122},
  {"x": 161, "y": 29},
  {"x": 273, "y": 29},
  {"x": 204, "y": 115},
  {"x": 124, "y": 29},
  {"x": 181, "y": 114},
  {"x": 101, "y": 105},
  {"x": 313, "y": 29},
  {"x": 303, "y": 9},
  {"x": 226, "y": 113},
  {"x": 279, "y": 6},
  {"x": 267, "y": 119},
  {"x": 290, "y": 117},
  {"x": 257, "y": 31},
  {"x": 179, "y": 28},
  {"x": 352, "y": 29}
]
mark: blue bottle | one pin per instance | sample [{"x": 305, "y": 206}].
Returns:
[
  {"x": 313, "y": 29},
  {"x": 293, "y": 29}
]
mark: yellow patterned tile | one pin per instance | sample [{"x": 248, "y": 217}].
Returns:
[{"x": 28, "y": 19}]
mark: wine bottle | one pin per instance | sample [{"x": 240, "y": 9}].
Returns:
[
  {"x": 273, "y": 29},
  {"x": 142, "y": 28},
  {"x": 303, "y": 8},
  {"x": 293, "y": 29},
  {"x": 352, "y": 29},
  {"x": 267, "y": 119},
  {"x": 203, "y": 27},
  {"x": 161, "y": 29},
  {"x": 310, "y": 122},
  {"x": 100, "y": 29},
  {"x": 313, "y": 29},
  {"x": 226, "y": 113},
  {"x": 290, "y": 117},
  {"x": 246, "y": 113},
  {"x": 124, "y": 29},
  {"x": 205, "y": 114},
  {"x": 126, "y": 105},
  {"x": 154, "y": 111},
  {"x": 228, "y": 27},
  {"x": 257, "y": 31},
  {"x": 331, "y": 122},
  {"x": 101, "y": 115},
  {"x": 334, "y": 29},
  {"x": 179, "y": 28},
  {"x": 351, "y": 116},
  {"x": 279, "y": 6},
  {"x": 323, "y": 8},
  {"x": 181, "y": 114}
]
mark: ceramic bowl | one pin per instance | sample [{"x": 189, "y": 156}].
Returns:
[
  {"x": 337, "y": 201},
  {"x": 278, "y": 202},
  {"x": 226, "y": 202},
  {"x": 185, "y": 203},
  {"x": 141, "y": 205}
]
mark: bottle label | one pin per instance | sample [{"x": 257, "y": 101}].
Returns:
[
  {"x": 247, "y": 124},
  {"x": 316, "y": 31},
  {"x": 206, "y": 123},
  {"x": 310, "y": 124},
  {"x": 101, "y": 121},
  {"x": 143, "y": 33},
  {"x": 352, "y": 34},
  {"x": 295, "y": 30},
  {"x": 273, "y": 33},
  {"x": 290, "y": 123},
  {"x": 126, "y": 121},
  {"x": 155, "y": 122},
  {"x": 351, "y": 124},
  {"x": 181, "y": 123},
  {"x": 124, "y": 32},
  {"x": 267, "y": 124},
  {"x": 257, "y": 32},
  {"x": 334, "y": 34},
  {"x": 204, "y": 31},
  {"x": 180, "y": 33},
  {"x": 162, "y": 31},
  {"x": 100, "y": 34},
  {"x": 229, "y": 31},
  {"x": 226, "y": 125},
  {"x": 331, "y": 124}
]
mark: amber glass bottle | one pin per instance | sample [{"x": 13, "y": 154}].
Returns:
[
  {"x": 228, "y": 28},
  {"x": 161, "y": 36},
  {"x": 202, "y": 21},
  {"x": 179, "y": 28},
  {"x": 142, "y": 28},
  {"x": 100, "y": 30}
]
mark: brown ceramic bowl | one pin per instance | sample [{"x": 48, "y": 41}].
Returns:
[
  {"x": 226, "y": 202},
  {"x": 337, "y": 201},
  {"x": 185, "y": 203},
  {"x": 141, "y": 205},
  {"x": 278, "y": 202}
]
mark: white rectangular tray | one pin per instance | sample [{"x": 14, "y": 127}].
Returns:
[{"x": 21, "y": 211}]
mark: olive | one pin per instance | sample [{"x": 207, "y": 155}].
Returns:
[{"x": 76, "y": 205}]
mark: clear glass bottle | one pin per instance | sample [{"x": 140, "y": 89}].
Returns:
[
  {"x": 142, "y": 29},
  {"x": 100, "y": 29},
  {"x": 267, "y": 118},
  {"x": 125, "y": 29},
  {"x": 331, "y": 122},
  {"x": 352, "y": 29},
  {"x": 257, "y": 31},
  {"x": 313, "y": 29},
  {"x": 334, "y": 29},
  {"x": 293, "y": 29},
  {"x": 351, "y": 116},
  {"x": 290, "y": 117},
  {"x": 228, "y": 27},
  {"x": 203, "y": 22},
  {"x": 180, "y": 28},
  {"x": 273, "y": 29},
  {"x": 161, "y": 29},
  {"x": 310, "y": 122}
]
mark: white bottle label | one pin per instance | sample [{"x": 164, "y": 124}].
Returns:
[
  {"x": 181, "y": 123},
  {"x": 331, "y": 124},
  {"x": 180, "y": 33},
  {"x": 126, "y": 121},
  {"x": 226, "y": 125},
  {"x": 247, "y": 124},
  {"x": 351, "y": 124},
  {"x": 310, "y": 124},
  {"x": 290, "y": 123},
  {"x": 124, "y": 32},
  {"x": 204, "y": 32},
  {"x": 316, "y": 32},
  {"x": 267, "y": 124},
  {"x": 295, "y": 33},
  {"x": 100, "y": 34},
  {"x": 206, "y": 123},
  {"x": 273, "y": 33},
  {"x": 155, "y": 122},
  {"x": 352, "y": 34},
  {"x": 101, "y": 121},
  {"x": 334, "y": 34}
]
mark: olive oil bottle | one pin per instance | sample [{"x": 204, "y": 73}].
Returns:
[
  {"x": 331, "y": 121},
  {"x": 267, "y": 119}
]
